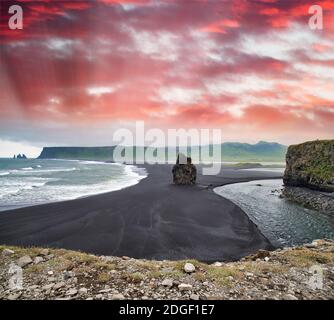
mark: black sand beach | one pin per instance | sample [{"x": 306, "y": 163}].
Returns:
[{"x": 153, "y": 219}]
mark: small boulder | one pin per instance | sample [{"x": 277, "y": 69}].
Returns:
[
  {"x": 117, "y": 296},
  {"x": 59, "y": 285},
  {"x": 167, "y": 283},
  {"x": 217, "y": 264},
  {"x": 72, "y": 292},
  {"x": 38, "y": 260},
  {"x": 83, "y": 291},
  {"x": 44, "y": 252},
  {"x": 7, "y": 252},
  {"x": 185, "y": 287},
  {"x": 189, "y": 268},
  {"x": 23, "y": 261}
]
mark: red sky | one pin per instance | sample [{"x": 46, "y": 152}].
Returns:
[{"x": 81, "y": 69}]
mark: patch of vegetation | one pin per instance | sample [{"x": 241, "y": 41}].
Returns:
[
  {"x": 220, "y": 274},
  {"x": 136, "y": 277},
  {"x": 103, "y": 277},
  {"x": 307, "y": 258}
]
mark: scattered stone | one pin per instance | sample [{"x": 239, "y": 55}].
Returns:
[
  {"x": 72, "y": 292},
  {"x": 266, "y": 259},
  {"x": 189, "y": 268},
  {"x": 24, "y": 261},
  {"x": 14, "y": 296},
  {"x": 194, "y": 297},
  {"x": 217, "y": 264},
  {"x": 48, "y": 287},
  {"x": 44, "y": 252},
  {"x": 167, "y": 283},
  {"x": 83, "y": 291},
  {"x": 59, "y": 285},
  {"x": 117, "y": 296},
  {"x": 38, "y": 260},
  {"x": 290, "y": 297},
  {"x": 50, "y": 273},
  {"x": 68, "y": 274},
  {"x": 7, "y": 252},
  {"x": 185, "y": 287}
]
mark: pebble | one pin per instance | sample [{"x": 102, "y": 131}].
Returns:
[
  {"x": 217, "y": 264},
  {"x": 72, "y": 292},
  {"x": 59, "y": 285},
  {"x": 185, "y": 287},
  {"x": 117, "y": 296},
  {"x": 14, "y": 296},
  {"x": 189, "y": 268},
  {"x": 290, "y": 297},
  {"x": 167, "y": 283},
  {"x": 194, "y": 297},
  {"x": 83, "y": 291},
  {"x": 48, "y": 287}
]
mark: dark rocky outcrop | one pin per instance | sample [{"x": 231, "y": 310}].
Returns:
[
  {"x": 311, "y": 165},
  {"x": 184, "y": 172},
  {"x": 20, "y": 156},
  {"x": 309, "y": 175}
]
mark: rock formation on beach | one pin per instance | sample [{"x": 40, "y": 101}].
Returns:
[
  {"x": 311, "y": 165},
  {"x": 184, "y": 172},
  {"x": 309, "y": 174}
]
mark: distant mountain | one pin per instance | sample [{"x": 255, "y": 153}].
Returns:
[{"x": 228, "y": 151}]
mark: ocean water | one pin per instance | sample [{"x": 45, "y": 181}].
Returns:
[
  {"x": 30, "y": 182},
  {"x": 283, "y": 222}
]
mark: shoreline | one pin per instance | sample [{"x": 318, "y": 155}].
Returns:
[
  {"x": 152, "y": 219},
  {"x": 129, "y": 172}
]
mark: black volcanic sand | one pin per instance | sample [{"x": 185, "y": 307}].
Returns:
[{"x": 153, "y": 219}]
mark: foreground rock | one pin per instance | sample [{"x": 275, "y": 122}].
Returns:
[
  {"x": 184, "y": 172},
  {"x": 305, "y": 272}
]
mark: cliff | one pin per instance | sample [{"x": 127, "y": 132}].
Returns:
[
  {"x": 77, "y": 153},
  {"x": 261, "y": 151},
  {"x": 311, "y": 165},
  {"x": 305, "y": 272}
]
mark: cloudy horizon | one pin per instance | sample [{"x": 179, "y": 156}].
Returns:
[{"x": 79, "y": 70}]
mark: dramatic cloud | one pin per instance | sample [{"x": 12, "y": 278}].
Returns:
[{"x": 81, "y": 69}]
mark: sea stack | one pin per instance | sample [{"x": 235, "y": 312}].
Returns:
[{"x": 184, "y": 172}]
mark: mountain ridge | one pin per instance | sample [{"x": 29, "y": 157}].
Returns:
[{"x": 227, "y": 151}]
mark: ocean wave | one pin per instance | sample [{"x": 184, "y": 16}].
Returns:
[
  {"x": 28, "y": 188},
  {"x": 27, "y": 168},
  {"x": 4, "y": 173}
]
